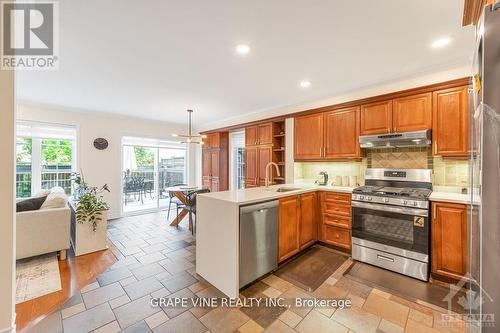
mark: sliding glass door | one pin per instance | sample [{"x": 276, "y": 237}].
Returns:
[{"x": 148, "y": 170}]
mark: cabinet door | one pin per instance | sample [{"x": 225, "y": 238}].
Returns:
[
  {"x": 308, "y": 137},
  {"x": 251, "y": 136},
  {"x": 449, "y": 240},
  {"x": 265, "y": 134},
  {"x": 214, "y": 160},
  {"x": 376, "y": 118},
  {"x": 214, "y": 184},
  {"x": 412, "y": 113},
  {"x": 342, "y": 133},
  {"x": 450, "y": 122},
  {"x": 206, "y": 163},
  {"x": 206, "y": 182},
  {"x": 288, "y": 227},
  {"x": 336, "y": 236},
  {"x": 308, "y": 220},
  {"x": 265, "y": 155},
  {"x": 251, "y": 171}
]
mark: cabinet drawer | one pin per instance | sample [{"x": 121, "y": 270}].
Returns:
[
  {"x": 337, "y": 221},
  {"x": 337, "y": 236},
  {"x": 334, "y": 208},
  {"x": 342, "y": 198}
]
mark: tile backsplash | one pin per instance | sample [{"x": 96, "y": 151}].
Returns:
[
  {"x": 450, "y": 172},
  {"x": 445, "y": 172},
  {"x": 400, "y": 158},
  {"x": 309, "y": 171}
]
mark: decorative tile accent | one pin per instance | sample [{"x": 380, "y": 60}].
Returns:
[{"x": 399, "y": 158}]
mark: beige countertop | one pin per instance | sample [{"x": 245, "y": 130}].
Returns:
[
  {"x": 259, "y": 194},
  {"x": 453, "y": 195}
]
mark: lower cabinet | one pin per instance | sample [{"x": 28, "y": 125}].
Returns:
[
  {"x": 336, "y": 219},
  {"x": 297, "y": 224},
  {"x": 449, "y": 240},
  {"x": 288, "y": 227}
]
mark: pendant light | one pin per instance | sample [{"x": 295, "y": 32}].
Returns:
[{"x": 190, "y": 138}]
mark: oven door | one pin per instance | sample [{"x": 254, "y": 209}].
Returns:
[{"x": 399, "y": 227}]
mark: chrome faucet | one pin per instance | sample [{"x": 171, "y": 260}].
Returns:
[{"x": 267, "y": 172}]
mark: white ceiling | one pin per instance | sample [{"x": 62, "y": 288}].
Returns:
[{"x": 154, "y": 59}]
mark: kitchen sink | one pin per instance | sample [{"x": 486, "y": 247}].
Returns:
[{"x": 287, "y": 189}]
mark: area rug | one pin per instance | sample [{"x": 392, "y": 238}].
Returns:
[
  {"x": 405, "y": 287},
  {"x": 309, "y": 270},
  {"x": 37, "y": 276}
]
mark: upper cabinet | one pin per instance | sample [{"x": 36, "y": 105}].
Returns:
[
  {"x": 261, "y": 134},
  {"x": 308, "y": 137},
  {"x": 404, "y": 114},
  {"x": 342, "y": 133},
  {"x": 412, "y": 113},
  {"x": 376, "y": 118},
  {"x": 327, "y": 135},
  {"x": 450, "y": 122}
]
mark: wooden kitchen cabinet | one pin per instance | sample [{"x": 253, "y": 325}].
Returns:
[
  {"x": 412, "y": 113},
  {"x": 259, "y": 152},
  {"x": 449, "y": 240},
  {"x": 215, "y": 162},
  {"x": 309, "y": 137},
  {"x": 265, "y": 155},
  {"x": 265, "y": 134},
  {"x": 261, "y": 134},
  {"x": 376, "y": 118},
  {"x": 450, "y": 122},
  {"x": 336, "y": 219},
  {"x": 308, "y": 229},
  {"x": 251, "y": 167},
  {"x": 342, "y": 133},
  {"x": 251, "y": 136},
  {"x": 289, "y": 217},
  {"x": 297, "y": 224}
]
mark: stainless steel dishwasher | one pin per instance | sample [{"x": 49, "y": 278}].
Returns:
[{"x": 258, "y": 240}]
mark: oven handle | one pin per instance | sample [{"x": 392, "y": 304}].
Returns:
[{"x": 392, "y": 209}]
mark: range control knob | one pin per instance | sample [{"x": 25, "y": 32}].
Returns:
[
  {"x": 369, "y": 198},
  {"x": 361, "y": 197},
  {"x": 415, "y": 203},
  {"x": 386, "y": 199},
  {"x": 405, "y": 202}
]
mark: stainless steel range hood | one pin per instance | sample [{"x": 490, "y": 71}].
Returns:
[{"x": 396, "y": 140}]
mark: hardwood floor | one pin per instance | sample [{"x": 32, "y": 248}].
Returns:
[{"x": 76, "y": 272}]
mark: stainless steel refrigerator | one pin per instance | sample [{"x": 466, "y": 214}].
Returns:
[{"x": 484, "y": 221}]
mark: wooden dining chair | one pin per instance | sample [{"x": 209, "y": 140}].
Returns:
[
  {"x": 191, "y": 206},
  {"x": 173, "y": 200}
]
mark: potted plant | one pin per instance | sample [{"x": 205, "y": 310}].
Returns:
[{"x": 90, "y": 215}]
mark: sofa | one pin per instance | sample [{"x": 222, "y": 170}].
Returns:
[{"x": 44, "y": 230}]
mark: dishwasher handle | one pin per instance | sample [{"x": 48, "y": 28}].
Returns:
[{"x": 259, "y": 207}]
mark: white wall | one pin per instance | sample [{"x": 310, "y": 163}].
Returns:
[
  {"x": 100, "y": 167},
  {"x": 375, "y": 90},
  {"x": 7, "y": 194}
]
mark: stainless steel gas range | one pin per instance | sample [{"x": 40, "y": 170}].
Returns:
[{"x": 391, "y": 220}]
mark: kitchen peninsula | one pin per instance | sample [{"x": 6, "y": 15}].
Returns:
[{"x": 218, "y": 227}]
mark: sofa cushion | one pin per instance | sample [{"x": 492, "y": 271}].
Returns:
[
  {"x": 41, "y": 193},
  {"x": 30, "y": 204},
  {"x": 55, "y": 199}
]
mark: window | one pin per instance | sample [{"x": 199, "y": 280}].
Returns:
[
  {"x": 23, "y": 167},
  {"x": 45, "y": 157},
  {"x": 149, "y": 168}
]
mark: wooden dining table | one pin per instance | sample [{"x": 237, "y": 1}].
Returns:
[{"x": 181, "y": 192}]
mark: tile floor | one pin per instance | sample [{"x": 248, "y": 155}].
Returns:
[{"x": 157, "y": 260}]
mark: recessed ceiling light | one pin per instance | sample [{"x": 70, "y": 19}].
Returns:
[
  {"x": 242, "y": 49},
  {"x": 441, "y": 42},
  {"x": 305, "y": 84}
]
